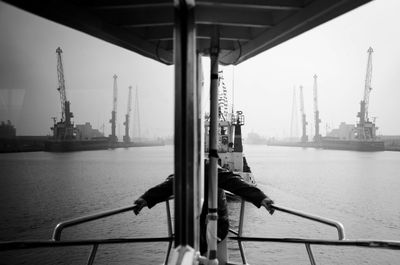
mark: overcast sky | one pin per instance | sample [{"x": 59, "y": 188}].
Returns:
[{"x": 263, "y": 86}]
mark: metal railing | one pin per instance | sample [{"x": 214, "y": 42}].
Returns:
[
  {"x": 342, "y": 241},
  {"x": 55, "y": 241},
  {"x": 315, "y": 218},
  {"x": 330, "y": 222}
]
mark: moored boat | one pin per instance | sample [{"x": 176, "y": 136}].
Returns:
[
  {"x": 54, "y": 145},
  {"x": 356, "y": 145}
]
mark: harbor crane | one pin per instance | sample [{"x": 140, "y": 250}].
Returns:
[
  {"x": 136, "y": 116},
  {"x": 304, "y": 137},
  {"x": 366, "y": 129},
  {"x": 367, "y": 86},
  {"x": 64, "y": 129},
  {"x": 113, "y": 137},
  {"x": 317, "y": 120},
  {"x": 294, "y": 130},
  {"x": 126, "y": 137}
]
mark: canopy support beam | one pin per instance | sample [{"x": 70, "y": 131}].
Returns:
[{"x": 186, "y": 126}]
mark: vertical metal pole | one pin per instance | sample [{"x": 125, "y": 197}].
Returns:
[
  {"x": 213, "y": 152},
  {"x": 310, "y": 255},
  {"x": 200, "y": 122},
  {"x": 169, "y": 224},
  {"x": 186, "y": 148},
  {"x": 93, "y": 254},
  {"x": 240, "y": 231}
]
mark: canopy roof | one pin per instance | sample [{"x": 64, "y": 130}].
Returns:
[{"x": 246, "y": 28}]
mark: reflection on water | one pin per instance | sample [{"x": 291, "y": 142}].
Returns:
[{"x": 37, "y": 190}]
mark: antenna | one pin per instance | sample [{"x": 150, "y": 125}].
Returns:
[{"x": 233, "y": 88}]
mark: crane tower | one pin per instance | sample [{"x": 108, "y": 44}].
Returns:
[
  {"x": 317, "y": 120},
  {"x": 304, "y": 137},
  {"x": 366, "y": 129},
  {"x": 136, "y": 117},
  {"x": 294, "y": 130},
  {"x": 113, "y": 138},
  {"x": 64, "y": 129},
  {"x": 126, "y": 137}
]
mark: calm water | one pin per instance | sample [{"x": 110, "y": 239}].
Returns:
[{"x": 37, "y": 190}]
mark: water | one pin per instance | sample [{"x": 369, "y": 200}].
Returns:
[
  {"x": 361, "y": 190},
  {"x": 37, "y": 190}
]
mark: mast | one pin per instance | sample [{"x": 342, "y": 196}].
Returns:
[
  {"x": 222, "y": 97},
  {"x": 317, "y": 120},
  {"x": 113, "y": 138},
  {"x": 126, "y": 137},
  {"x": 212, "y": 199},
  {"x": 304, "y": 137}
]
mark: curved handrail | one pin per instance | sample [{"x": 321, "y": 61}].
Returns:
[
  {"x": 84, "y": 219},
  {"x": 316, "y": 218},
  {"x": 339, "y": 227}
]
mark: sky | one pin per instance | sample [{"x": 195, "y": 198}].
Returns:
[{"x": 263, "y": 86}]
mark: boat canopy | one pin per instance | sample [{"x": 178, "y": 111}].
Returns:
[{"x": 246, "y": 28}]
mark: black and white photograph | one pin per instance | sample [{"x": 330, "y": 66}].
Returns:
[{"x": 199, "y": 132}]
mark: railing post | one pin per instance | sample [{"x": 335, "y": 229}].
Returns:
[
  {"x": 93, "y": 254},
  {"x": 240, "y": 231},
  {"x": 310, "y": 254},
  {"x": 169, "y": 225}
]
